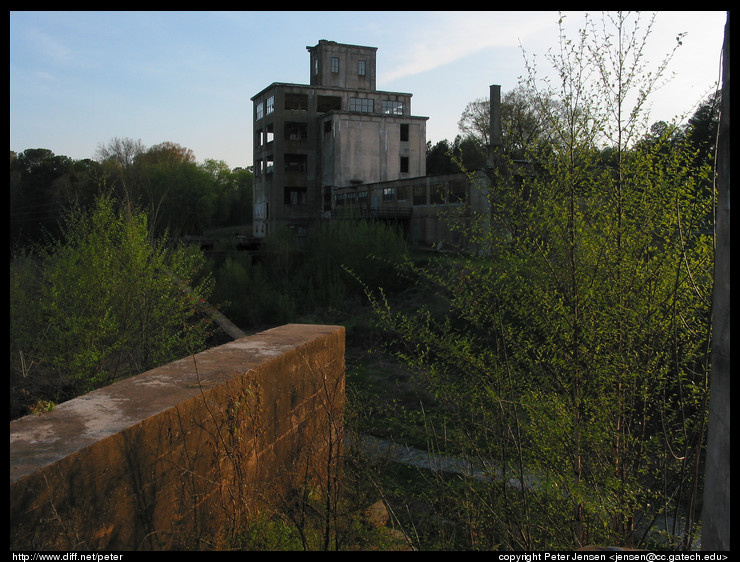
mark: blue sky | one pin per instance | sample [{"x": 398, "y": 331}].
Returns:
[{"x": 79, "y": 79}]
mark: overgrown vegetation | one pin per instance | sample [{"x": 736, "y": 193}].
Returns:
[
  {"x": 568, "y": 359},
  {"x": 295, "y": 279},
  {"x": 101, "y": 302},
  {"x": 573, "y": 357}
]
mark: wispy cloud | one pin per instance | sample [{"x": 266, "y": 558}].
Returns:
[{"x": 439, "y": 38}]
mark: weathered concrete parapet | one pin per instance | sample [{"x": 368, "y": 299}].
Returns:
[{"x": 180, "y": 456}]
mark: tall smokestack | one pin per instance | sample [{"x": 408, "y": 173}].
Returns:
[{"x": 495, "y": 115}]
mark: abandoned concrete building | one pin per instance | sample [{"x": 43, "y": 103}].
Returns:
[{"x": 338, "y": 147}]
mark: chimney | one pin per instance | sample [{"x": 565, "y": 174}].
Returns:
[{"x": 495, "y": 115}]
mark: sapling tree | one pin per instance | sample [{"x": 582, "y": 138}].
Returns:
[
  {"x": 104, "y": 301},
  {"x": 573, "y": 354}
]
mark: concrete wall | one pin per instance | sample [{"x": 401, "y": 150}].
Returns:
[{"x": 181, "y": 456}]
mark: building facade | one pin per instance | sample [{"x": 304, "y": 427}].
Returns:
[{"x": 313, "y": 141}]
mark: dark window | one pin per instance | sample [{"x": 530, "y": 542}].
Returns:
[
  {"x": 438, "y": 194},
  {"x": 295, "y": 196},
  {"x": 457, "y": 192},
  {"x": 325, "y": 104},
  {"x": 296, "y": 102},
  {"x": 404, "y": 164},
  {"x": 296, "y": 131},
  {"x": 295, "y": 162},
  {"x": 420, "y": 194},
  {"x": 404, "y": 132}
]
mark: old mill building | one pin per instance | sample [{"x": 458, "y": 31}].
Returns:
[{"x": 339, "y": 147}]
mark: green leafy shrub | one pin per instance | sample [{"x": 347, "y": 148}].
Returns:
[{"x": 102, "y": 302}]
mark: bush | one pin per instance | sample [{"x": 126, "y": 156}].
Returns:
[{"x": 102, "y": 302}]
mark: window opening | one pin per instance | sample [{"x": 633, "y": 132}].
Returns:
[
  {"x": 438, "y": 194},
  {"x": 362, "y": 105},
  {"x": 298, "y": 102},
  {"x": 295, "y": 195},
  {"x": 420, "y": 194},
  {"x": 457, "y": 192},
  {"x": 295, "y": 162},
  {"x": 392, "y": 107},
  {"x": 324, "y": 104},
  {"x": 404, "y": 132},
  {"x": 296, "y": 131}
]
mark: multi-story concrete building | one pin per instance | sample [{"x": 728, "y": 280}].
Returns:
[{"x": 338, "y": 131}]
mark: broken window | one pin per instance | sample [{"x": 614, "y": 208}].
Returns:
[
  {"x": 270, "y": 105},
  {"x": 296, "y": 131},
  {"x": 296, "y": 102},
  {"x": 324, "y": 104},
  {"x": 269, "y": 133},
  {"x": 389, "y": 194},
  {"x": 392, "y": 107}
]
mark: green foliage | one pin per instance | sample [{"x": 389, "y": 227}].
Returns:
[
  {"x": 291, "y": 280},
  {"x": 180, "y": 196},
  {"x": 104, "y": 301},
  {"x": 573, "y": 354}
]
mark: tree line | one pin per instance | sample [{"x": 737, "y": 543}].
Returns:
[{"x": 179, "y": 195}]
